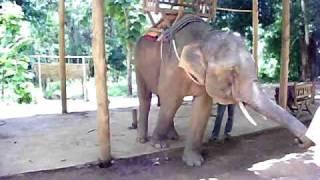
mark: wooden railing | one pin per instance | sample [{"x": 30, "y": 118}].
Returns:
[
  {"x": 47, "y": 67},
  {"x": 300, "y": 96}
]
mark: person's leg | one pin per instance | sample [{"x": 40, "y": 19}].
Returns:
[
  {"x": 217, "y": 124},
  {"x": 229, "y": 124}
]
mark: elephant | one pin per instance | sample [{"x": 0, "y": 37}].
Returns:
[{"x": 212, "y": 66}]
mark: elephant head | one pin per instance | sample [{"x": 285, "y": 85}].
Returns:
[{"x": 222, "y": 64}]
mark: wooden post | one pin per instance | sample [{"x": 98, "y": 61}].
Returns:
[
  {"x": 283, "y": 92},
  {"x": 255, "y": 27},
  {"x": 62, "y": 58},
  {"x": 214, "y": 10},
  {"x": 98, "y": 44},
  {"x": 180, "y": 12},
  {"x": 84, "y": 83}
]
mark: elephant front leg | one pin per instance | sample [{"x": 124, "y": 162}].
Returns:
[
  {"x": 200, "y": 115},
  {"x": 164, "y": 129}
]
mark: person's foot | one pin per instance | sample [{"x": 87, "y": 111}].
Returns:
[
  {"x": 227, "y": 137},
  {"x": 214, "y": 139}
]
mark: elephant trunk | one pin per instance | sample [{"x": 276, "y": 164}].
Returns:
[{"x": 260, "y": 102}]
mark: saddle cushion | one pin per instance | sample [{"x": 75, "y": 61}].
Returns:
[{"x": 151, "y": 36}]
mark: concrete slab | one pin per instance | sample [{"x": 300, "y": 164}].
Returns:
[{"x": 44, "y": 142}]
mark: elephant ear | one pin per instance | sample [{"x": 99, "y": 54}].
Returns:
[
  {"x": 193, "y": 63},
  {"x": 222, "y": 83}
]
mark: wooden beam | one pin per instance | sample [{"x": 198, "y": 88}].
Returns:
[
  {"x": 98, "y": 51},
  {"x": 234, "y": 10},
  {"x": 255, "y": 33},
  {"x": 62, "y": 60},
  {"x": 151, "y": 18},
  {"x": 284, "y": 53}
]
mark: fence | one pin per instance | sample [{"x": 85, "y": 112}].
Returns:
[{"x": 77, "y": 67}]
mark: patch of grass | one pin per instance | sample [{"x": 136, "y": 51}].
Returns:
[{"x": 119, "y": 89}]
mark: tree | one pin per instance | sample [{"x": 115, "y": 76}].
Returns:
[
  {"x": 130, "y": 21},
  {"x": 14, "y": 41}
]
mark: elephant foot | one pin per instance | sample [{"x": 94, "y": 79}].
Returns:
[
  {"x": 133, "y": 126},
  {"x": 142, "y": 140},
  {"x": 192, "y": 158},
  {"x": 159, "y": 143},
  {"x": 173, "y": 134}
]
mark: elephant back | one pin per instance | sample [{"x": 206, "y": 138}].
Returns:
[
  {"x": 179, "y": 25},
  {"x": 188, "y": 29}
]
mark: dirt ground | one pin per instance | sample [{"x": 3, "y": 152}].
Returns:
[{"x": 266, "y": 155}]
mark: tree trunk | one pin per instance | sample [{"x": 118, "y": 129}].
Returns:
[
  {"x": 304, "y": 60},
  {"x": 129, "y": 56},
  {"x": 285, "y": 46},
  {"x": 2, "y": 91},
  {"x": 255, "y": 34},
  {"x": 304, "y": 44},
  {"x": 129, "y": 67}
]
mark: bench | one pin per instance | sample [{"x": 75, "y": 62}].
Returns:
[{"x": 300, "y": 96}]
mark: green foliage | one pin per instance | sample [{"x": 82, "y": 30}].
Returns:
[
  {"x": 115, "y": 61},
  {"x": 119, "y": 89},
  {"x": 270, "y": 13},
  {"x": 14, "y": 42},
  {"x": 271, "y": 41},
  {"x": 130, "y": 19},
  {"x": 53, "y": 90},
  {"x": 78, "y": 27},
  {"x": 43, "y": 17}
]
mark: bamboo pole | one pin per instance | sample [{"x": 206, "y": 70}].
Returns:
[
  {"x": 62, "y": 61},
  {"x": 98, "y": 44},
  {"x": 284, "y": 53},
  {"x": 255, "y": 38}
]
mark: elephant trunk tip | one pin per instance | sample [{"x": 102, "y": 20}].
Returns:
[{"x": 304, "y": 142}]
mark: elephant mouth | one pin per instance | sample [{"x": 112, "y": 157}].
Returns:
[{"x": 194, "y": 79}]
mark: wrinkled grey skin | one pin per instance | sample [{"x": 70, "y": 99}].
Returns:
[{"x": 224, "y": 71}]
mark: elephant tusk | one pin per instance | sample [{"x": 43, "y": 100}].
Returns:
[
  {"x": 246, "y": 114},
  {"x": 175, "y": 49}
]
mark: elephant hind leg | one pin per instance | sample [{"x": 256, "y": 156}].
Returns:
[
  {"x": 144, "y": 95},
  {"x": 172, "y": 133}
]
